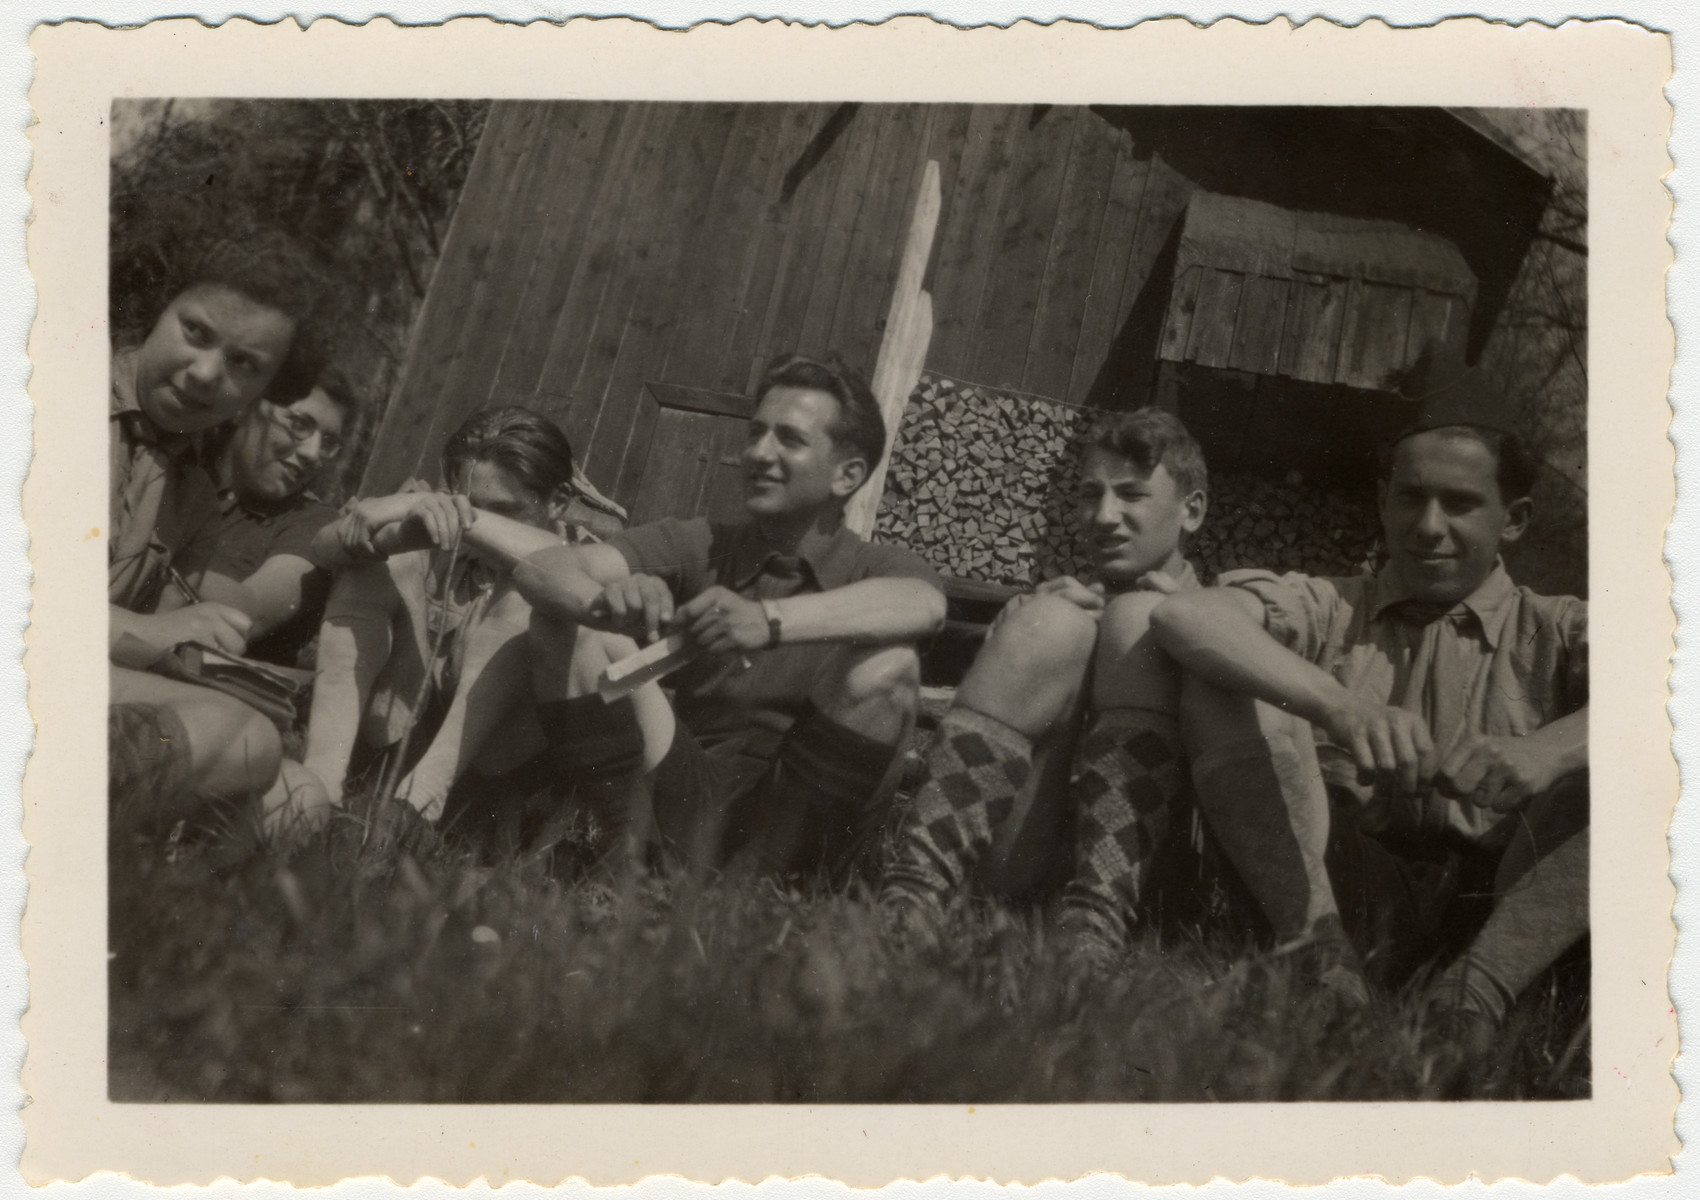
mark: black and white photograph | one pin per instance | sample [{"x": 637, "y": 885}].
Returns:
[{"x": 675, "y": 602}]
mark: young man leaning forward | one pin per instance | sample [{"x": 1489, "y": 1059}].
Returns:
[
  {"x": 778, "y": 746},
  {"x": 1446, "y": 708},
  {"x": 994, "y": 777}
]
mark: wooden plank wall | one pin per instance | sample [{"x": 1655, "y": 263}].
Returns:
[{"x": 602, "y": 246}]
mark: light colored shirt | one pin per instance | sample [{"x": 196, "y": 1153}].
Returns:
[
  {"x": 164, "y": 507},
  {"x": 1502, "y": 662}
]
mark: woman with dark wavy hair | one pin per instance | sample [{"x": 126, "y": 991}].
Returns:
[{"x": 223, "y": 330}]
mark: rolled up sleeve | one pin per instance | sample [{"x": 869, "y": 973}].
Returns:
[{"x": 1299, "y": 611}]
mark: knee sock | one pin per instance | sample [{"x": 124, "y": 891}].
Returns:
[
  {"x": 1130, "y": 774},
  {"x": 1268, "y": 808},
  {"x": 598, "y": 748},
  {"x": 823, "y": 799},
  {"x": 975, "y": 773},
  {"x": 1537, "y": 918}
]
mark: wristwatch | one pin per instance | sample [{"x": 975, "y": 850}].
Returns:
[{"x": 773, "y": 624}]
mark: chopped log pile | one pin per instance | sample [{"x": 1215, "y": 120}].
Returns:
[{"x": 981, "y": 485}]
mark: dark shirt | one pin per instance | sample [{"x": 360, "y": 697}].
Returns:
[
  {"x": 712, "y": 696},
  {"x": 250, "y": 532}
]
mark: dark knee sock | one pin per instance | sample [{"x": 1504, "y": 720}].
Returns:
[
  {"x": 1537, "y": 917},
  {"x": 975, "y": 774},
  {"x": 1130, "y": 775},
  {"x": 1270, "y": 816},
  {"x": 823, "y": 799},
  {"x": 597, "y": 748}
]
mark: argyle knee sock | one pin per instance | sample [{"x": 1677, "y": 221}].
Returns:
[
  {"x": 1268, "y": 808},
  {"x": 1537, "y": 918},
  {"x": 1130, "y": 774},
  {"x": 975, "y": 773},
  {"x": 823, "y": 800},
  {"x": 598, "y": 748}
]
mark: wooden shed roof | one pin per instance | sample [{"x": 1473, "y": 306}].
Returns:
[{"x": 1312, "y": 296}]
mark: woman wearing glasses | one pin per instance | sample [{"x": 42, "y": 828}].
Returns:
[{"x": 266, "y": 469}]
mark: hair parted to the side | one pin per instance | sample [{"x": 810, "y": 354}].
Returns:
[
  {"x": 860, "y": 429},
  {"x": 1151, "y": 437},
  {"x": 335, "y": 384},
  {"x": 526, "y": 444},
  {"x": 1515, "y": 469}
]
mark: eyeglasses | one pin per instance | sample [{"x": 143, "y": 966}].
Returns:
[{"x": 302, "y": 427}]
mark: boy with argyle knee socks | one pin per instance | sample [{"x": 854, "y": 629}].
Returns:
[{"x": 1069, "y": 655}]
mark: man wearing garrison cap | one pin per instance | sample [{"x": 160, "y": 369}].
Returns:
[{"x": 1403, "y": 757}]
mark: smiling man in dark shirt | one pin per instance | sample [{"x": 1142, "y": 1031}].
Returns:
[{"x": 784, "y": 731}]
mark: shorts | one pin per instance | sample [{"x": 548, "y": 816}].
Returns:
[{"x": 1406, "y": 900}]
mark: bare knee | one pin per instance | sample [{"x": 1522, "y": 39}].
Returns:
[
  {"x": 873, "y": 690},
  {"x": 567, "y": 659},
  {"x": 1132, "y": 670},
  {"x": 886, "y": 674},
  {"x": 1030, "y": 671},
  {"x": 233, "y": 750}
]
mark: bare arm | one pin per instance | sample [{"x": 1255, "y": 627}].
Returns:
[
  {"x": 270, "y": 596},
  {"x": 139, "y": 639},
  {"x": 1501, "y": 772},
  {"x": 1218, "y": 634},
  {"x": 870, "y": 612}
]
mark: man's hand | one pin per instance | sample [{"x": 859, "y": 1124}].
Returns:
[
  {"x": 1391, "y": 745},
  {"x": 441, "y": 516},
  {"x": 723, "y": 622},
  {"x": 209, "y": 623},
  {"x": 640, "y": 606},
  {"x": 1498, "y": 772},
  {"x": 1087, "y": 597}
]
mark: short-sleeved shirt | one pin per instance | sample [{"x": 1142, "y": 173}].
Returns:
[
  {"x": 251, "y": 531},
  {"x": 164, "y": 509},
  {"x": 1502, "y": 662},
  {"x": 712, "y": 696}
]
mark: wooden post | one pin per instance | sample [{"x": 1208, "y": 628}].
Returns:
[{"x": 903, "y": 349}]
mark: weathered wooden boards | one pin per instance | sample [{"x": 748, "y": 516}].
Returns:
[
  {"x": 600, "y": 247},
  {"x": 1312, "y": 297},
  {"x": 982, "y": 485},
  {"x": 903, "y": 350}
]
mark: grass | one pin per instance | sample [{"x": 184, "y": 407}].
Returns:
[{"x": 339, "y": 972}]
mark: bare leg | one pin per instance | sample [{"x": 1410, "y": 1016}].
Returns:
[
  {"x": 605, "y": 750},
  {"x": 233, "y": 752},
  {"x": 355, "y": 644},
  {"x": 494, "y": 680}
]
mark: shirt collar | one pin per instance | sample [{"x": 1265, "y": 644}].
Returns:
[
  {"x": 829, "y": 557},
  {"x": 1490, "y": 603},
  {"x": 127, "y": 407}
]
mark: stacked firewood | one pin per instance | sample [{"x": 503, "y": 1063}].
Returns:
[{"x": 982, "y": 485}]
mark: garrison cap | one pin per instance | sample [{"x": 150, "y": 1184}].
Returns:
[{"x": 1468, "y": 399}]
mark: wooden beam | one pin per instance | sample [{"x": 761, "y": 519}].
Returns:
[{"x": 903, "y": 349}]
